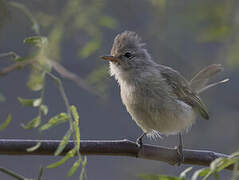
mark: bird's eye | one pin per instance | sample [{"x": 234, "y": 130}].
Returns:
[{"x": 128, "y": 55}]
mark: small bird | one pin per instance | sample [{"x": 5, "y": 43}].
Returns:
[{"x": 159, "y": 99}]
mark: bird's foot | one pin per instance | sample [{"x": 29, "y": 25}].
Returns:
[
  {"x": 139, "y": 142},
  {"x": 180, "y": 155}
]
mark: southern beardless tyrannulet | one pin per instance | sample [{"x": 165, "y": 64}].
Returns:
[{"x": 159, "y": 99}]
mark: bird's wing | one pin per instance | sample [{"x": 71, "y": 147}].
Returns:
[{"x": 182, "y": 89}]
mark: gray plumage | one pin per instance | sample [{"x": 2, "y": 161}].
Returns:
[{"x": 158, "y": 98}]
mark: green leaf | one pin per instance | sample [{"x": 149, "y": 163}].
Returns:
[
  {"x": 200, "y": 173},
  {"x": 37, "y": 102},
  {"x": 236, "y": 154},
  {"x": 209, "y": 174},
  {"x": 6, "y": 122},
  {"x": 74, "y": 167},
  {"x": 69, "y": 155},
  {"x": 84, "y": 161},
  {"x": 214, "y": 164},
  {"x": 75, "y": 114},
  {"x": 218, "y": 165},
  {"x": 38, "y": 41},
  {"x": 26, "y": 102},
  {"x": 63, "y": 143},
  {"x": 76, "y": 125},
  {"x": 44, "y": 109},
  {"x": 55, "y": 38},
  {"x": 55, "y": 120},
  {"x": 33, "y": 123},
  {"x": 90, "y": 48},
  {"x": 77, "y": 134},
  {"x": 226, "y": 162},
  {"x": 107, "y": 21},
  {"x": 40, "y": 173},
  {"x": 30, "y": 102},
  {"x": 82, "y": 174},
  {"x": 36, "y": 80},
  {"x": 158, "y": 177},
  {"x": 184, "y": 173},
  {"x": 33, "y": 148}
]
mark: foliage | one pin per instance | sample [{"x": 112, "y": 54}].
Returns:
[
  {"x": 6, "y": 122},
  {"x": 215, "y": 167},
  {"x": 212, "y": 22},
  {"x": 41, "y": 48}
]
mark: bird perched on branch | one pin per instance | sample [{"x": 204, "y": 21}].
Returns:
[{"x": 159, "y": 99}]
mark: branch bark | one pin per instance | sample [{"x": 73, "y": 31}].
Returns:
[{"x": 110, "y": 148}]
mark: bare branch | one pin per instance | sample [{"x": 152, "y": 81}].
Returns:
[
  {"x": 71, "y": 76},
  {"x": 57, "y": 67},
  {"x": 12, "y": 174},
  {"x": 110, "y": 148},
  {"x": 14, "y": 67}
]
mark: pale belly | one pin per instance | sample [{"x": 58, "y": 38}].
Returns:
[
  {"x": 155, "y": 109},
  {"x": 166, "y": 119}
]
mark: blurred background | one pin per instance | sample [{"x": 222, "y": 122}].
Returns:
[{"x": 186, "y": 35}]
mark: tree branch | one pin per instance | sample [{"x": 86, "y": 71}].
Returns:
[
  {"x": 110, "y": 148},
  {"x": 65, "y": 73},
  {"x": 14, "y": 67},
  {"x": 56, "y": 66}
]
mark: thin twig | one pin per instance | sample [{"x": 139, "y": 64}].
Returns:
[
  {"x": 12, "y": 174},
  {"x": 40, "y": 173},
  {"x": 14, "y": 67},
  {"x": 111, "y": 148},
  {"x": 63, "y": 94},
  {"x": 71, "y": 76},
  {"x": 67, "y": 104},
  {"x": 56, "y": 66},
  {"x": 9, "y": 54},
  {"x": 29, "y": 15}
]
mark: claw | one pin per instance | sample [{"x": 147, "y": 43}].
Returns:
[{"x": 139, "y": 141}]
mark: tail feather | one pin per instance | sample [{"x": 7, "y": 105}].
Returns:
[
  {"x": 200, "y": 80},
  {"x": 212, "y": 85}
]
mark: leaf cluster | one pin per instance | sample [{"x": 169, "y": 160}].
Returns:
[{"x": 213, "y": 170}]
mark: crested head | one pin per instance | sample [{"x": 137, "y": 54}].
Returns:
[
  {"x": 128, "y": 40},
  {"x": 128, "y": 55}
]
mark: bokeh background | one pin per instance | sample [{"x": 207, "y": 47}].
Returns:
[{"x": 186, "y": 35}]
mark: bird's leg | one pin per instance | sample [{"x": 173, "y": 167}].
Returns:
[
  {"x": 180, "y": 150},
  {"x": 139, "y": 140}
]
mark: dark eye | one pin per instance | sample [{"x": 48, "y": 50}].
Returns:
[{"x": 128, "y": 55}]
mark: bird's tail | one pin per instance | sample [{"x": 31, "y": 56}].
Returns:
[{"x": 199, "y": 82}]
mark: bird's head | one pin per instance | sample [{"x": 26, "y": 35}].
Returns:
[{"x": 127, "y": 54}]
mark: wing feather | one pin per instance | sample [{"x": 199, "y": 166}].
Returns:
[{"x": 183, "y": 91}]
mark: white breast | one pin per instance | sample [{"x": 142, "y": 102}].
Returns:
[{"x": 159, "y": 113}]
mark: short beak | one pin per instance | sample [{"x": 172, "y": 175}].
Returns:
[{"x": 110, "y": 58}]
